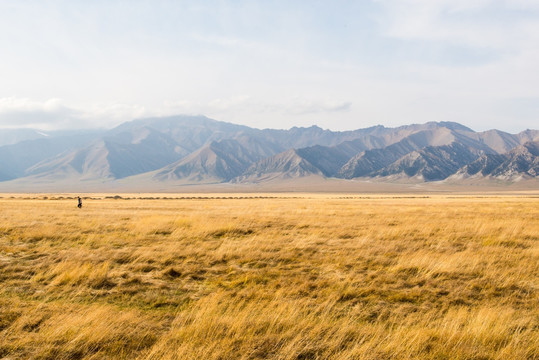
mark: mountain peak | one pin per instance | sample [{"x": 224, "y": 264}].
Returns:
[
  {"x": 454, "y": 126},
  {"x": 196, "y": 149}
]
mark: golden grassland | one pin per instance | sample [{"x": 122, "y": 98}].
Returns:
[{"x": 270, "y": 277}]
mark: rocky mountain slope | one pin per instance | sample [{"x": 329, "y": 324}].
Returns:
[
  {"x": 196, "y": 149},
  {"x": 431, "y": 163},
  {"x": 289, "y": 164},
  {"x": 17, "y": 158},
  {"x": 522, "y": 161}
]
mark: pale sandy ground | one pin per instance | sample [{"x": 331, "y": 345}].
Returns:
[
  {"x": 301, "y": 185},
  {"x": 293, "y": 187}
]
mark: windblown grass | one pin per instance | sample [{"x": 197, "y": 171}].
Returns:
[{"x": 313, "y": 277}]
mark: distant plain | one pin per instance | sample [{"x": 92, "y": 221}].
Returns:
[{"x": 270, "y": 276}]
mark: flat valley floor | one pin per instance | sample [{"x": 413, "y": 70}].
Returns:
[{"x": 275, "y": 276}]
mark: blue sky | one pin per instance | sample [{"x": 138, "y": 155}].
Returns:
[{"x": 337, "y": 64}]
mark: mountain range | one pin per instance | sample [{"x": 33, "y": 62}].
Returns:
[{"x": 187, "y": 150}]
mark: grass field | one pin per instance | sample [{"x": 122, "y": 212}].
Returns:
[{"x": 272, "y": 277}]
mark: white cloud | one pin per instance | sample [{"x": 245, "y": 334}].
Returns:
[
  {"x": 17, "y": 112},
  {"x": 305, "y": 106},
  {"x": 293, "y": 106},
  {"x": 55, "y": 114}
]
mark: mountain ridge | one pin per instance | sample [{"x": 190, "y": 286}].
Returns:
[{"x": 199, "y": 150}]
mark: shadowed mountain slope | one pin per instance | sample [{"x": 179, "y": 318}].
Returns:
[
  {"x": 122, "y": 155},
  {"x": 217, "y": 161},
  {"x": 430, "y": 163},
  {"x": 14, "y": 136},
  {"x": 327, "y": 159},
  {"x": 289, "y": 164},
  {"x": 371, "y": 161},
  {"x": 17, "y": 158},
  {"x": 196, "y": 149},
  {"x": 521, "y": 161}
]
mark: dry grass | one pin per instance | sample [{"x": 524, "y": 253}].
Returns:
[{"x": 312, "y": 277}]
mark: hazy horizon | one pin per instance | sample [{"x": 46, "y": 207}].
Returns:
[{"x": 106, "y": 128}]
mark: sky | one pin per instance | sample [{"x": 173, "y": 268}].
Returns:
[{"x": 270, "y": 64}]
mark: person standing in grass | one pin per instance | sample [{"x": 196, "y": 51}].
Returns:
[{"x": 80, "y": 203}]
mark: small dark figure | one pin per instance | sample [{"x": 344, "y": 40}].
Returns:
[{"x": 80, "y": 203}]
